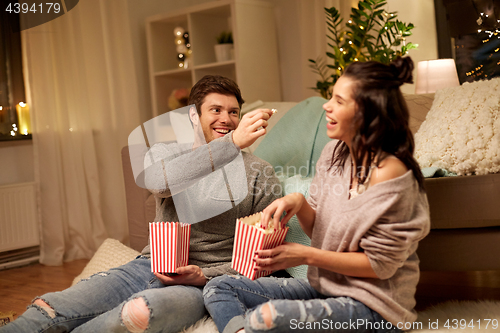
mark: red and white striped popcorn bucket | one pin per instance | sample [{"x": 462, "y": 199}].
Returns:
[
  {"x": 169, "y": 242},
  {"x": 248, "y": 238}
]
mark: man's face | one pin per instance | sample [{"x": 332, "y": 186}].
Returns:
[{"x": 220, "y": 114}]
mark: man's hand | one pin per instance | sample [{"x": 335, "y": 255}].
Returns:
[
  {"x": 187, "y": 275},
  {"x": 252, "y": 126}
]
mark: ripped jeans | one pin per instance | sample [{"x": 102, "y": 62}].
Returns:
[
  {"x": 285, "y": 305},
  {"x": 104, "y": 303}
]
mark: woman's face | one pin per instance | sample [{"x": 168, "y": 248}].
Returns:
[{"x": 340, "y": 111}]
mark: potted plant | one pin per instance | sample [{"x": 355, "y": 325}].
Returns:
[
  {"x": 371, "y": 33},
  {"x": 224, "y": 50}
]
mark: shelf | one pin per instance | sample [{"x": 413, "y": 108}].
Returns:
[
  {"x": 172, "y": 72},
  {"x": 216, "y": 64},
  {"x": 255, "y": 49}
]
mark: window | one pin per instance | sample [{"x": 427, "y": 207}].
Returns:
[{"x": 12, "y": 91}]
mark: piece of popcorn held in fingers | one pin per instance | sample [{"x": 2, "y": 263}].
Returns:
[{"x": 274, "y": 111}]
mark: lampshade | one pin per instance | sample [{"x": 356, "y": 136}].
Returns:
[{"x": 433, "y": 75}]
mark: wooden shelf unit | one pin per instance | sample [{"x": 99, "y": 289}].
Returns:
[{"x": 255, "y": 64}]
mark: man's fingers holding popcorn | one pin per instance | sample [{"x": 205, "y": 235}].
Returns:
[{"x": 251, "y": 127}]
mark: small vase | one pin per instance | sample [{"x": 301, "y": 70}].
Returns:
[{"x": 223, "y": 52}]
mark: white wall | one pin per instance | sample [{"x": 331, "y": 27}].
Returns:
[
  {"x": 421, "y": 14},
  {"x": 302, "y": 35}
]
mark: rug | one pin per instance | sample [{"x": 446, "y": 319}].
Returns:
[
  {"x": 453, "y": 316},
  {"x": 457, "y": 317}
]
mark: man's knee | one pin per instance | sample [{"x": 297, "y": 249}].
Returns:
[
  {"x": 135, "y": 315},
  {"x": 220, "y": 283},
  {"x": 47, "y": 308}
]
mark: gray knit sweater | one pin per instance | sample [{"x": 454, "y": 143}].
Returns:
[
  {"x": 216, "y": 175},
  {"x": 386, "y": 223}
]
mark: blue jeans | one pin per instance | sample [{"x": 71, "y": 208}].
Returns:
[
  {"x": 95, "y": 304},
  {"x": 236, "y": 302}
]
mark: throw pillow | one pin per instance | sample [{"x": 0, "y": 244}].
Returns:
[
  {"x": 110, "y": 254},
  {"x": 461, "y": 132}
]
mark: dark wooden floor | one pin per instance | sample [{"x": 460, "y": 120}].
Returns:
[{"x": 18, "y": 286}]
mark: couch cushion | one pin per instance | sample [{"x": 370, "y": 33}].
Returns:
[
  {"x": 418, "y": 106},
  {"x": 295, "y": 233},
  {"x": 300, "y": 136}
]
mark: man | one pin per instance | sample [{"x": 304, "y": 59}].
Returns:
[{"x": 132, "y": 299}]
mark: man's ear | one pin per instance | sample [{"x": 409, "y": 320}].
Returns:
[{"x": 193, "y": 116}]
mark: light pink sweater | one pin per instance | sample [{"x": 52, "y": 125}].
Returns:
[{"x": 386, "y": 223}]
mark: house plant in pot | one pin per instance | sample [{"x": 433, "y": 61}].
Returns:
[{"x": 224, "y": 50}]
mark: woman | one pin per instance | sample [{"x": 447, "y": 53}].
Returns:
[{"x": 366, "y": 212}]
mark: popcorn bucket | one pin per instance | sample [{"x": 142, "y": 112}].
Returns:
[
  {"x": 250, "y": 237},
  {"x": 169, "y": 243}
]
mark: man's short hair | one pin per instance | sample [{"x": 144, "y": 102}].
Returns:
[{"x": 213, "y": 84}]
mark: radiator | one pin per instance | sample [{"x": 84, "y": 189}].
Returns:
[{"x": 19, "y": 234}]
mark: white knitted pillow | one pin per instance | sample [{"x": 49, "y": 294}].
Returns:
[
  {"x": 110, "y": 254},
  {"x": 461, "y": 132}
]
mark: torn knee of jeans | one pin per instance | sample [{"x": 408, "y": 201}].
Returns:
[
  {"x": 135, "y": 315},
  {"x": 209, "y": 292},
  {"x": 103, "y": 274},
  {"x": 44, "y": 307},
  {"x": 327, "y": 307},
  {"x": 263, "y": 318}
]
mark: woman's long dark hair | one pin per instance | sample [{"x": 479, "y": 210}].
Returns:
[{"x": 381, "y": 117}]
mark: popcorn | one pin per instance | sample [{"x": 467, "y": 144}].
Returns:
[
  {"x": 169, "y": 243},
  {"x": 250, "y": 237}
]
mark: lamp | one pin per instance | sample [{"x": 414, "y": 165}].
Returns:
[{"x": 433, "y": 75}]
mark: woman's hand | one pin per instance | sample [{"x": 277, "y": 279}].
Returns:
[
  {"x": 290, "y": 204},
  {"x": 187, "y": 275},
  {"x": 281, "y": 257}
]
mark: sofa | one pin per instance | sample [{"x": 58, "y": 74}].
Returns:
[{"x": 465, "y": 211}]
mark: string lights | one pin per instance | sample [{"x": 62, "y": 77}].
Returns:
[{"x": 489, "y": 33}]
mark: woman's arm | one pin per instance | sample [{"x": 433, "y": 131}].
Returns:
[{"x": 292, "y": 254}]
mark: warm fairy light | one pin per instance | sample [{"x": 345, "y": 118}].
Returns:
[{"x": 23, "y": 117}]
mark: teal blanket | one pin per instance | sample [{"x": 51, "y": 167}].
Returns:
[{"x": 294, "y": 144}]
